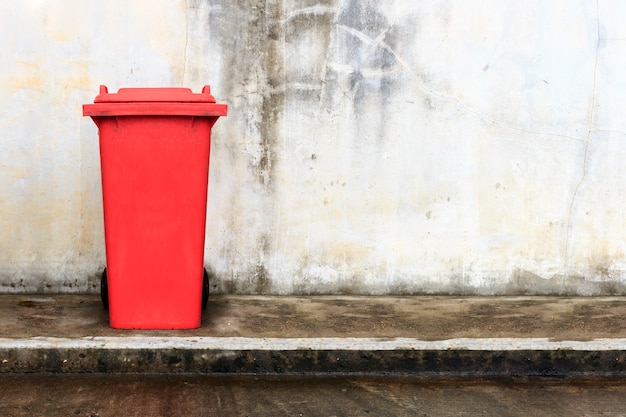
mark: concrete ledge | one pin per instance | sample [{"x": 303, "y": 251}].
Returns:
[
  {"x": 322, "y": 343},
  {"x": 297, "y": 356},
  {"x": 324, "y": 335}
]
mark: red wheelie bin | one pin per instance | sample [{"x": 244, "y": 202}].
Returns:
[{"x": 154, "y": 155}]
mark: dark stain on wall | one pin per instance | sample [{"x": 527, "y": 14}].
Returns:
[
  {"x": 526, "y": 283},
  {"x": 367, "y": 50},
  {"x": 262, "y": 281},
  {"x": 308, "y": 33},
  {"x": 250, "y": 34},
  {"x": 273, "y": 105},
  {"x": 254, "y": 76},
  {"x": 254, "y": 281}
]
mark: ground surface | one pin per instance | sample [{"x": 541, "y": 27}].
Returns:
[
  {"x": 426, "y": 318},
  {"x": 152, "y": 395},
  {"x": 427, "y": 353},
  {"x": 426, "y": 336}
]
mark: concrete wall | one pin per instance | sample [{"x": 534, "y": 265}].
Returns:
[{"x": 371, "y": 147}]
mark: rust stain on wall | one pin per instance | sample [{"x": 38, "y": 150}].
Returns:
[{"x": 27, "y": 75}]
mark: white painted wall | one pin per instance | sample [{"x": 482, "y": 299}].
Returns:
[{"x": 396, "y": 147}]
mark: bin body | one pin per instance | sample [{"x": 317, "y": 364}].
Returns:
[{"x": 154, "y": 155}]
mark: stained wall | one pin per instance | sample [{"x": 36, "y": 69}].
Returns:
[{"x": 388, "y": 147}]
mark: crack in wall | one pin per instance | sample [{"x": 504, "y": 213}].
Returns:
[
  {"x": 585, "y": 167},
  {"x": 184, "y": 70},
  {"x": 617, "y": 132},
  {"x": 378, "y": 41}
]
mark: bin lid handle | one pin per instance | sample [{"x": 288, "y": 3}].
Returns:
[{"x": 154, "y": 95}]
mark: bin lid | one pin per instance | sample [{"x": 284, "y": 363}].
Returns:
[
  {"x": 154, "y": 95},
  {"x": 166, "y": 101}
]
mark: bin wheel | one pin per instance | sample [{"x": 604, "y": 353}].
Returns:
[
  {"x": 205, "y": 289},
  {"x": 104, "y": 290}
]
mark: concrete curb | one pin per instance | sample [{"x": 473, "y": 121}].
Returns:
[
  {"x": 307, "y": 344},
  {"x": 244, "y": 355}
]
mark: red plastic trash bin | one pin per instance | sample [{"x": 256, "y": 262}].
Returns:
[{"x": 154, "y": 154}]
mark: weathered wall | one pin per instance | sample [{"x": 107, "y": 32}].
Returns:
[{"x": 395, "y": 147}]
